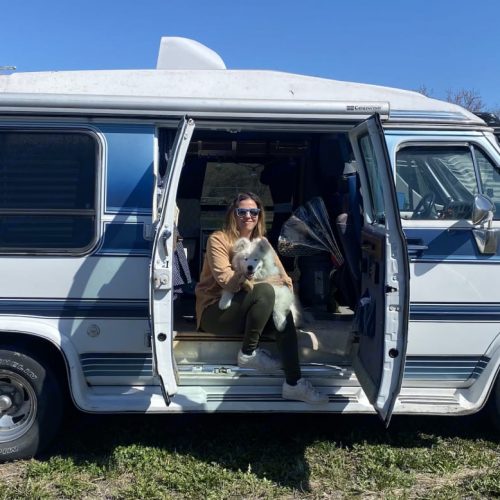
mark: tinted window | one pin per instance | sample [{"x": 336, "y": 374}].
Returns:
[
  {"x": 376, "y": 195},
  {"x": 47, "y": 191},
  {"x": 435, "y": 182},
  {"x": 490, "y": 179}
]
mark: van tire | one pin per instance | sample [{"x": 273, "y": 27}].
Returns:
[
  {"x": 31, "y": 405},
  {"x": 493, "y": 407}
]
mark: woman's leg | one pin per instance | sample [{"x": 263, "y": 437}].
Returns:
[
  {"x": 248, "y": 314},
  {"x": 286, "y": 341},
  {"x": 295, "y": 387},
  {"x": 258, "y": 305},
  {"x": 227, "y": 321},
  {"x": 251, "y": 313}
]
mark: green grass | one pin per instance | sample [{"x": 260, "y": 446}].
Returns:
[{"x": 262, "y": 456}]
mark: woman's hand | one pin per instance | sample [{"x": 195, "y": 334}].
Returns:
[{"x": 245, "y": 280}]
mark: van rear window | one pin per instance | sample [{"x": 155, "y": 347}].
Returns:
[{"x": 47, "y": 191}]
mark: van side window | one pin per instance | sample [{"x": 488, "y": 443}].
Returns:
[
  {"x": 435, "y": 182},
  {"x": 376, "y": 195},
  {"x": 47, "y": 191},
  {"x": 490, "y": 179}
]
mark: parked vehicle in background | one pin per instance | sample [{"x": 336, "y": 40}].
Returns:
[
  {"x": 95, "y": 166},
  {"x": 493, "y": 120}
]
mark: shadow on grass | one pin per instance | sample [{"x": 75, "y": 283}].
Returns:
[{"x": 273, "y": 445}]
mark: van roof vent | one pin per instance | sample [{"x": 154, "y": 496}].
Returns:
[{"x": 184, "y": 53}]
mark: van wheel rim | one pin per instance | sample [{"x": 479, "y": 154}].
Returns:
[{"x": 18, "y": 406}]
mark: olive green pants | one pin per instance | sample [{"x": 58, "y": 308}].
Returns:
[{"x": 250, "y": 313}]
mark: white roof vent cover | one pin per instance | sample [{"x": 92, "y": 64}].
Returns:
[{"x": 184, "y": 53}]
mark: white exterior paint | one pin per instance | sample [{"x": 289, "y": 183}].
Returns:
[
  {"x": 237, "y": 94},
  {"x": 226, "y": 86},
  {"x": 183, "y": 53}
]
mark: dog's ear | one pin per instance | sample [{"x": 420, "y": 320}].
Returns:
[
  {"x": 241, "y": 244},
  {"x": 264, "y": 246}
]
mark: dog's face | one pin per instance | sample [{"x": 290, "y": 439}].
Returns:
[
  {"x": 249, "y": 256},
  {"x": 246, "y": 259}
]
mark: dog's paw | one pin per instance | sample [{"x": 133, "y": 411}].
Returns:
[
  {"x": 225, "y": 302},
  {"x": 279, "y": 320}
]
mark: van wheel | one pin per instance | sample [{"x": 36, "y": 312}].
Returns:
[
  {"x": 30, "y": 405},
  {"x": 494, "y": 405}
]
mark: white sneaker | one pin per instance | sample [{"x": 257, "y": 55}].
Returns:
[
  {"x": 304, "y": 391},
  {"x": 260, "y": 360}
]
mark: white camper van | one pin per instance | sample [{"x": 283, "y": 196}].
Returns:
[{"x": 101, "y": 171}]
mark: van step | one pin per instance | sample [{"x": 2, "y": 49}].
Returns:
[
  {"x": 319, "y": 345},
  {"x": 149, "y": 399},
  {"x": 232, "y": 375},
  {"x": 258, "y": 398},
  {"x": 273, "y": 397}
]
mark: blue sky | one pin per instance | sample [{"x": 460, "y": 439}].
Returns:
[{"x": 442, "y": 44}]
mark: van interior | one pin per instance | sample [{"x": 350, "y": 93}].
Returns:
[{"x": 286, "y": 169}]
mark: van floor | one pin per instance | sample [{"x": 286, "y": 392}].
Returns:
[{"x": 324, "y": 343}]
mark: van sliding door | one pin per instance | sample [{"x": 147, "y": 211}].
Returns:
[
  {"x": 160, "y": 295},
  {"x": 382, "y": 315}
]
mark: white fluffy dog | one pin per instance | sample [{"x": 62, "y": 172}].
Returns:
[{"x": 256, "y": 259}]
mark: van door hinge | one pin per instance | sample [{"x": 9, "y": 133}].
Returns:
[
  {"x": 390, "y": 289},
  {"x": 161, "y": 279}
]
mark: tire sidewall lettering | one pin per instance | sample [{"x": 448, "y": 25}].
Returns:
[
  {"x": 8, "y": 451},
  {"x": 19, "y": 367}
]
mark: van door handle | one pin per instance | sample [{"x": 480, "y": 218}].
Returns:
[
  {"x": 165, "y": 237},
  {"x": 414, "y": 250}
]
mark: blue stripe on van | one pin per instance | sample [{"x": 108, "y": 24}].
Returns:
[
  {"x": 123, "y": 308},
  {"x": 117, "y": 365},
  {"x": 71, "y": 308},
  {"x": 459, "y": 368},
  {"x": 124, "y": 239},
  {"x": 437, "y": 368},
  {"x": 454, "y": 312}
]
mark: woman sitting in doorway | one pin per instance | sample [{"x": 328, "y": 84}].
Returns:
[{"x": 251, "y": 311}]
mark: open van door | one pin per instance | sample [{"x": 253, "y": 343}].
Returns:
[
  {"x": 160, "y": 294},
  {"x": 382, "y": 315}
]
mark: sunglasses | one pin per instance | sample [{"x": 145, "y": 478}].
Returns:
[{"x": 243, "y": 212}]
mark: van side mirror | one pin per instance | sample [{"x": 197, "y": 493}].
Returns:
[
  {"x": 482, "y": 210},
  {"x": 482, "y": 213}
]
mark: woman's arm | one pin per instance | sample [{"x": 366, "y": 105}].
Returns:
[{"x": 217, "y": 254}]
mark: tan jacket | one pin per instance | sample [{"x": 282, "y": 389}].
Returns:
[{"x": 217, "y": 273}]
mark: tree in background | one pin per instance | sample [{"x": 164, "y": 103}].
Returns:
[
  {"x": 467, "y": 98},
  {"x": 424, "y": 90}
]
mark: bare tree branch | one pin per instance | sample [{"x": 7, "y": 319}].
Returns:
[
  {"x": 424, "y": 90},
  {"x": 468, "y": 99}
]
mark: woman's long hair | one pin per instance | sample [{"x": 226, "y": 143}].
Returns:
[{"x": 230, "y": 225}]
